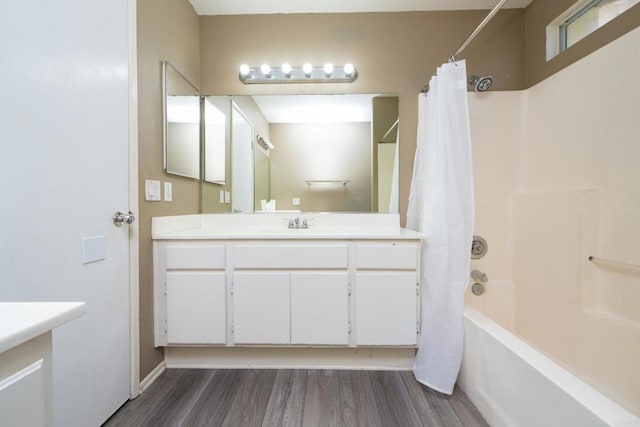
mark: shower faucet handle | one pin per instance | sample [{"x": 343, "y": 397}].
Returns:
[{"x": 479, "y": 276}]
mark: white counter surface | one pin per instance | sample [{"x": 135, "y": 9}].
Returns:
[
  {"x": 274, "y": 226},
  {"x": 22, "y": 321}
]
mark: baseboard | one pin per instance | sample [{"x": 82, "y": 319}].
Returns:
[
  {"x": 153, "y": 375},
  {"x": 400, "y": 359}
]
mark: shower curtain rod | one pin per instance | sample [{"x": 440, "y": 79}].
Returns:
[{"x": 473, "y": 35}]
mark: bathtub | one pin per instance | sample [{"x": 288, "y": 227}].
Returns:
[{"x": 513, "y": 384}]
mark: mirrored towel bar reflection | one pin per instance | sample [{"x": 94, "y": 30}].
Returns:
[{"x": 614, "y": 264}]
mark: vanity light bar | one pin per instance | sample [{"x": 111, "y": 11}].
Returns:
[{"x": 328, "y": 73}]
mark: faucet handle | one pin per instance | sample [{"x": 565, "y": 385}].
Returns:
[
  {"x": 290, "y": 222},
  {"x": 305, "y": 222}
]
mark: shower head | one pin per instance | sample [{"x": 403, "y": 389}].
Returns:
[{"x": 482, "y": 83}]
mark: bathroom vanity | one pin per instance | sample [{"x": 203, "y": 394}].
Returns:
[
  {"x": 239, "y": 281},
  {"x": 25, "y": 359}
]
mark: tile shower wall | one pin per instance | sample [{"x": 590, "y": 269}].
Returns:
[
  {"x": 496, "y": 125},
  {"x": 578, "y": 194}
]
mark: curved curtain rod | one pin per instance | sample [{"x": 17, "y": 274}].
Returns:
[{"x": 472, "y": 36}]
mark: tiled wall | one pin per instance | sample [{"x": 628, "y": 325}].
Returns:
[
  {"x": 557, "y": 177},
  {"x": 496, "y": 126},
  {"x": 578, "y": 194}
]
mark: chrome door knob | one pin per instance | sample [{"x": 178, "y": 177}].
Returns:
[{"x": 120, "y": 218}]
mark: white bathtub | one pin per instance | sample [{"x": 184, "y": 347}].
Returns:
[{"x": 512, "y": 384}]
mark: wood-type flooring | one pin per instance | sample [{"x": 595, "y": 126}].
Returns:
[{"x": 261, "y": 397}]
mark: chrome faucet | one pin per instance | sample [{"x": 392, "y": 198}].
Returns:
[{"x": 295, "y": 223}]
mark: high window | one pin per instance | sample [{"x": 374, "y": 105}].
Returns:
[{"x": 581, "y": 20}]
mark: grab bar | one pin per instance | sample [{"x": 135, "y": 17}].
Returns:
[{"x": 614, "y": 263}]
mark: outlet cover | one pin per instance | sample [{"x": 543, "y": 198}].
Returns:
[{"x": 295, "y": 201}]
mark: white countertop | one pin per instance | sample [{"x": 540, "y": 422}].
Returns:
[
  {"x": 274, "y": 226},
  {"x": 252, "y": 233},
  {"x": 22, "y": 321}
]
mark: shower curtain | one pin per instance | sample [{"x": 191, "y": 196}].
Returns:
[{"x": 441, "y": 205}]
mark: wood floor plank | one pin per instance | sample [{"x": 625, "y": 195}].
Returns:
[
  {"x": 394, "y": 404},
  {"x": 307, "y": 398},
  {"x": 286, "y": 404},
  {"x": 322, "y": 401},
  {"x": 466, "y": 412},
  {"x": 250, "y": 404},
  {"x": 215, "y": 400},
  {"x": 166, "y": 403},
  {"x": 425, "y": 409},
  {"x": 357, "y": 400}
]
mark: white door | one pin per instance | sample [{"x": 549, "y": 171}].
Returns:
[
  {"x": 196, "y": 307},
  {"x": 64, "y": 117},
  {"x": 241, "y": 162},
  {"x": 261, "y": 307},
  {"x": 386, "y": 308},
  {"x": 320, "y": 308}
]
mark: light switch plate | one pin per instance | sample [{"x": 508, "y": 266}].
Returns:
[
  {"x": 295, "y": 201},
  {"x": 221, "y": 196},
  {"x": 151, "y": 190},
  {"x": 227, "y": 197},
  {"x": 168, "y": 192},
  {"x": 94, "y": 249}
]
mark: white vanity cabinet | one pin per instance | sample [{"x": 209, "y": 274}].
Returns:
[
  {"x": 193, "y": 293},
  {"x": 280, "y": 295},
  {"x": 387, "y": 293},
  {"x": 235, "y": 282}
]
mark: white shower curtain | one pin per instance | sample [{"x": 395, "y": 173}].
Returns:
[{"x": 441, "y": 205}]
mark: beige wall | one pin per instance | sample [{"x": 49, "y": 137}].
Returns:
[
  {"x": 393, "y": 52},
  {"x": 321, "y": 151},
  {"x": 540, "y": 13},
  {"x": 167, "y": 30}
]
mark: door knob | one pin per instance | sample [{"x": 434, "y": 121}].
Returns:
[{"x": 120, "y": 218}]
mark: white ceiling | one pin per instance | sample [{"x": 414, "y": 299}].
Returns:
[{"x": 245, "y": 7}]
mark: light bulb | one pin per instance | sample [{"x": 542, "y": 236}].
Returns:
[
  {"x": 265, "y": 69},
  {"x": 286, "y": 68},
  {"x": 328, "y": 68},
  {"x": 244, "y": 70},
  {"x": 307, "y": 68},
  {"x": 348, "y": 69}
]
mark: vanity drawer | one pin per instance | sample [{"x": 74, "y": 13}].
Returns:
[
  {"x": 195, "y": 256},
  {"x": 387, "y": 255},
  {"x": 291, "y": 255}
]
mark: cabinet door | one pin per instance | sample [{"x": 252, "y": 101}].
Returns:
[
  {"x": 319, "y": 308},
  {"x": 196, "y": 311},
  {"x": 386, "y": 308},
  {"x": 22, "y": 397},
  {"x": 261, "y": 307}
]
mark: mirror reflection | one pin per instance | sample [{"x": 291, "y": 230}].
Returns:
[
  {"x": 309, "y": 153},
  {"x": 215, "y": 124},
  {"x": 182, "y": 124}
]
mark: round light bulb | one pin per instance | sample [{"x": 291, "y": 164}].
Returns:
[
  {"x": 307, "y": 68},
  {"x": 244, "y": 70},
  {"x": 286, "y": 68},
  {"x": 265, "y": 69},
  {"x": 328, "y": 68},
  {"x": 348, "y": 69}
]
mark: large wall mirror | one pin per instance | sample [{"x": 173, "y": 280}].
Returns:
[
  {"x": 308, "y": 153},
  {"x": 181, "y": 124}
]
